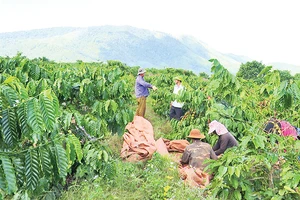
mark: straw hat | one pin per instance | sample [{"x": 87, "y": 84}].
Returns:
[
  {"x": 178, "y": 78},
  {"x": 195, "y": 133}
]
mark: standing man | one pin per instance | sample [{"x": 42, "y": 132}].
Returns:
[
  {"x": 176, "y": 111},
  {"x": 142, "y": 92}
]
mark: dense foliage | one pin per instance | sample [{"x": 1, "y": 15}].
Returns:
[
  {"x": 250, "y": 70},
  {"x": 263, "y": 166},
  {"x": 55, "y": 117}
]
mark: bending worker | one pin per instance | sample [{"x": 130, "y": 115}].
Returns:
[{"x": 226, "y": 139}]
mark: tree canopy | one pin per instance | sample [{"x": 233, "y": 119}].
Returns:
[
  {"x": 250, "y": 70},
  {"x": 285, "y": 75}
]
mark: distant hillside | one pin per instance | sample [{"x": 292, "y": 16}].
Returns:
[
  {"x": 242, "y": 59},
  {"x": 133, "y": 46},
  {"x": 284, "y": 66}
]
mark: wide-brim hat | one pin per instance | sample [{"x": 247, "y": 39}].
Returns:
[
  {"x": 195, "y": 133},
  {"x": 178, "y": 78},
  {"x": 141, "y": 71}
]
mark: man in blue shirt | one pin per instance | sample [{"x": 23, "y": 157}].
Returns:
[{"x": 142, "y": 92}]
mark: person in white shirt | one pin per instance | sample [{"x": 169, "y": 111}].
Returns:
[{"x": 176, "y": 111}]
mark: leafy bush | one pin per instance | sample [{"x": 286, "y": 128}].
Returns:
[{"x": 56, "y": 118}]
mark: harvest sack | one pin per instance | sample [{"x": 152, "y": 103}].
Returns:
[{"x": 139, "y": 143}]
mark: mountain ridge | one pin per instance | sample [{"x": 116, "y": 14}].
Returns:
[{"x": 130, "y": 45}]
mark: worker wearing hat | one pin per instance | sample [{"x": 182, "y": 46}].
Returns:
[
  {"x": 142, "y": 92},
  {"x": 176, "y": 111},
  {"x": 195, "y": 153}
]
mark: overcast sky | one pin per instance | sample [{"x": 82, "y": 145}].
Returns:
[{"x": 264, "y": 30}]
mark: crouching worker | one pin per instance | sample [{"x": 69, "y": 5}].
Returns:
[
  {"x": 193, "y": 160},
  {"x": 226, "y": 139},
  {"x": 281, "y": 127}
]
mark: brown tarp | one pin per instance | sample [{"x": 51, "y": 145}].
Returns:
[
  {"x": 194, "y": 177},
  {"x": 176, "y": 145},
  {"x": 161, "y": 147},
  {"x": 139, "y": 144}
]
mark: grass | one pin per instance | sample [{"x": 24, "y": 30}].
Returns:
[
  {"x": 161, "y": 126},
  {"x": 157, "y": 178}
]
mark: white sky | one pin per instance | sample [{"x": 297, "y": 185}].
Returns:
[{"x": 264, "y": 30}]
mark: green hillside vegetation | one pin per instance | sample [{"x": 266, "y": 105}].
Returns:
[{"x": 61, "y": 127}]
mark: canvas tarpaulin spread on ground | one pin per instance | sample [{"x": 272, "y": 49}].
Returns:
[{"x": 139, "y": 145}]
